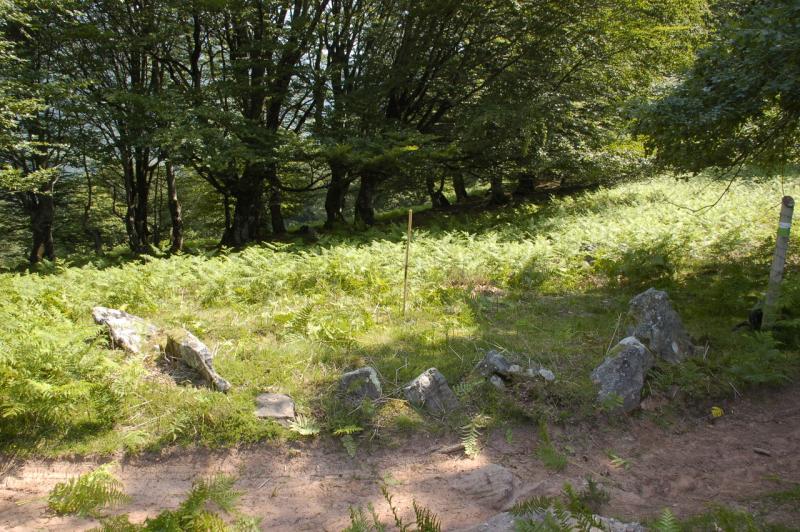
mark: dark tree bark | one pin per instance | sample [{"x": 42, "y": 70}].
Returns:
[
  {"x": 460, "y": 189},
  {"x": 526, "y": 185},
  {"x": 497, "y": 195},
  {"x": 275, "y": 201},
  {"x": 335, "y": 197},
  {"x": 176, "y": 216},
  {"x": 137, "y": 189},
  {"x": 364, "y": 209},
  {"x": 248, "y": 197},
  {"x": 41, "y": 209},
  {"x": 438, "y": 199}
]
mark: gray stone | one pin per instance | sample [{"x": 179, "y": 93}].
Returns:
[
  {"x": 546, "y": 374},
  {"x": 274, "y": 405},
  {"x": 494, "y": 363},
  {"x": 622, "y": 373},
  {"x": 497, "y": 382},
  {"x": 186, "y": 347},
  {"x": 659, "y": 327},
  {"x": 131, "y": 333},
  {"x": 360, "y": 384},
  {"x": 490, "y": 485},
  {"x": 431, "y": 391}
]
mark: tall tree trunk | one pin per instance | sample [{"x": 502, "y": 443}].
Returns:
[
  {"x": 364, "y": 209},
  {"x": 176, "y": 216},
  {"x": 275, "y": 200},
  {"x": 497, "y": 195},
  {"x": 526, "y": 185},
  {"x": 41, "y": 209},
  {"x": 248, "y": 197},
  {"x": 334, "y": 198},
  {"x": 460, "y": 188}
]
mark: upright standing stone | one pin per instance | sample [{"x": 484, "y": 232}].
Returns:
[
  {"x": 622, "y": 373},
  {"x": 360, "y": 384},
  {"x": 659, "y": 327},
  {"x": 431, "y": 391}
]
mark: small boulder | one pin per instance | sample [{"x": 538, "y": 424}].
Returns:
[
  {"x": 360, "y": 384},
  {"x": 186, "y": 347},
  {"x": 659, "y": 327},
  {"x": 431, "y": 391},
  {"x": 497, "y": 382},
  {"x": 274, "y": 405},
  {"x": 494, "y": 363},
  {"x": 622, "y": 373},
  {"x": 131, "y": 333},
  {"x": 546, "y": 374}
]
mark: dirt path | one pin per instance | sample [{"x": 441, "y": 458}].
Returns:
[{"x": 311, "y": 486}]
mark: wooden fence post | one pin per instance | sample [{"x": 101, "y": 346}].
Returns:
[
  {"x": 778, "y": 263},
  {"x": 405, "y": 270}
]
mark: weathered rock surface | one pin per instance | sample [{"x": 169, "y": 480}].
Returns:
[
  {"x": 623, "y": 371},
  {"x": 140, "y": 337},
  {"x": 274, "y": 405},
  {"x": 431, "y": 391},
  {"x": 659, "y": 326},
  {"x": 495, "y": 367},
  {"x": 360, "y": 384},
  {"x": 186, "y": 347},
  {"x": 497, "y": 382},
  {"x": 493, "y": 363},
  {"x": 506, "y": 522},
  {"x": 490, "y": 485},
  {"x": 131, "y": 333}
]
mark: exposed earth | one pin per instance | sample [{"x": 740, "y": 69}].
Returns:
[{"x": 682, "y": 464}]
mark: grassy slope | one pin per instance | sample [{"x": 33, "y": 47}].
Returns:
[{"x": 548, "y": 282}]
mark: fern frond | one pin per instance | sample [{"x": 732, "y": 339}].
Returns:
[
  {"x": 667, "y": 522},
  {"x": 87, "y": 494},
  {"x": 426, "y": 520},
  {"x": 304, "y": 426}
]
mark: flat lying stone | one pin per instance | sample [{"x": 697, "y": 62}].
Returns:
[
  {"x": 490, "y": 485},
  {"x": 274, "y": 405},
  {"x": 131, "y": 333}
]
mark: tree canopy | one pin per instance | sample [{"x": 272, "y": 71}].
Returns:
[
  {"x": 740, "y": 102},
  {"x": 258, "y": 116}
]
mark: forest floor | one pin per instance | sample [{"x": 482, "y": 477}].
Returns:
[{"x": 684, "y": 465}]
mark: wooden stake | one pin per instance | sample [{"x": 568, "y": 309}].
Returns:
[
  {"x": 778, "y": 262},
  {"x": 405, "y": 270}
]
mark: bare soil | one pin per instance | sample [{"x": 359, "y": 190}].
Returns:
[{"x": 681, "y": 464}]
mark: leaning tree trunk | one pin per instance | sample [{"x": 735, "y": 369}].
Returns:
[
  {"x": 438, "y": 199},
  {"x": 248, "y": 198},
  {"x": 175, "y": 212},
  {"x": 364, "y": 209},
  {"x": 335, "y": 197},
  {"x": 460, "y": 188},
  {"x": 41, "y": 208}
]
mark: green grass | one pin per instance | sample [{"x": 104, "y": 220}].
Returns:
[{"x": 548, "y": 282}]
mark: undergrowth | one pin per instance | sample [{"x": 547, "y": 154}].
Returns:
[{"x": 548, "y": 281}]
